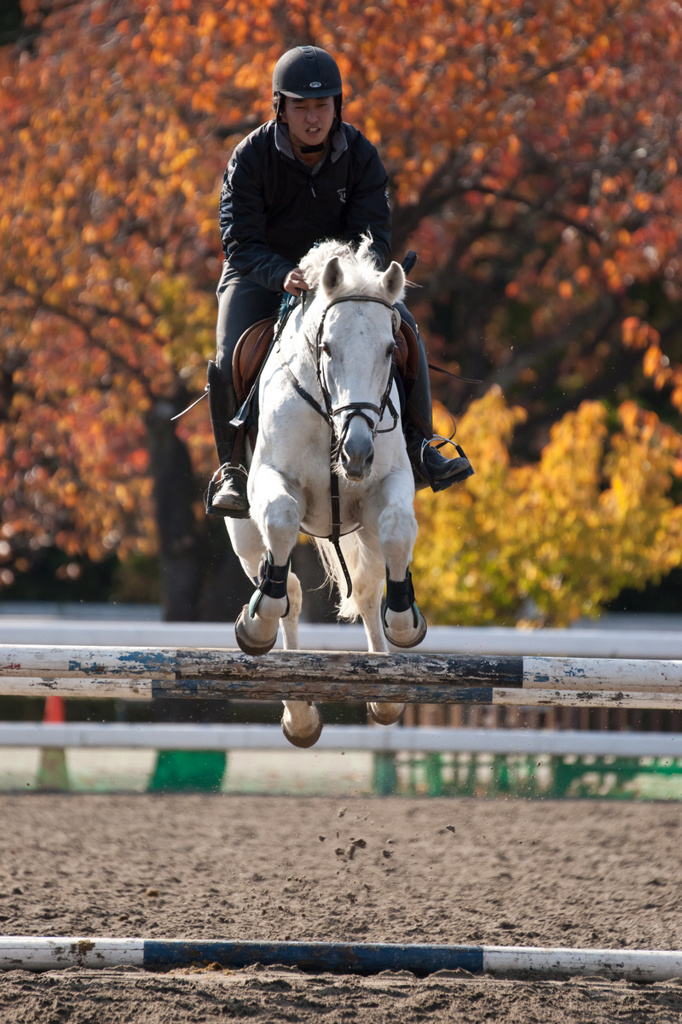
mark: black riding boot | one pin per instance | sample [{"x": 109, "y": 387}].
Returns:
[
  {"x": 226, "y": 494},
  {"x": 429, "y": 467}
]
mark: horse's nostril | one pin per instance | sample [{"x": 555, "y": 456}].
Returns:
[
  {"x": 356, "y": 457},
  {"x": 357, "y": 467}
]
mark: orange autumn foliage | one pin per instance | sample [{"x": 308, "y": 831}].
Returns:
[{"x": 533, "y": 154}]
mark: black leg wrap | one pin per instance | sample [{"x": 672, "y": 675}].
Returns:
[
  {"x": 399, "y": 593},
  {"x": 272, "y": 582},
  {"x": 400, "y": 598}
]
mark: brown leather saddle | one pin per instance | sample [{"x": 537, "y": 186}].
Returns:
[{"x": 254, "y": 344}]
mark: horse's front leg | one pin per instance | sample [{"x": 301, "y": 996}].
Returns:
[
  {"x": 276, "y": 511},
  {"x": 403, "y": 623},
  {"x": 276, "y": 508}
]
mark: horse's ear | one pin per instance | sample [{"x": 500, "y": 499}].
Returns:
[
  {"x": 332, "y": 275},
  {"x": 393, "y": 281}
]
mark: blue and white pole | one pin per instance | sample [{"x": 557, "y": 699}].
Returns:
[{"x": 35, "y": 953}]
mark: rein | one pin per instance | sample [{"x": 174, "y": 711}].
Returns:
[{"x": 328, "y": 412}]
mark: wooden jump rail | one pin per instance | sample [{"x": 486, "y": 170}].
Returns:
[{"x": 150, "y": 672}]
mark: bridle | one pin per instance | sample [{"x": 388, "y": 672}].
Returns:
[
  {"x": 329, "y": 412},
  {"x": 362, "y": 409}
]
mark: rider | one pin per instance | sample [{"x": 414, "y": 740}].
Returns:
[{"x": 300, "y": 178}]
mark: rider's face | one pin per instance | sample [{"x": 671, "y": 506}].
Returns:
[{"x": 310, "y": 121}]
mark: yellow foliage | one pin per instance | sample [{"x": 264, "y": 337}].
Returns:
[{"x": 553, "y": 540}]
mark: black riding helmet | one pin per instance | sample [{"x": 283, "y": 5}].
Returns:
[{"x": 306, "y": 72}]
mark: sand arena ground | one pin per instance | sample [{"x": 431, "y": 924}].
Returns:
[{"x": 570, "y": 873}]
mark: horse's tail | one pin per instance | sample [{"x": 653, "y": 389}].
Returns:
[{"x": 360, "y": 563}]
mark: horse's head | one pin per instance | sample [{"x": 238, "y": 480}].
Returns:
[{"x": 355, "y": 347}]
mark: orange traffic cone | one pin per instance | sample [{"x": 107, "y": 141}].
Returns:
[
  {"x": 52, "y": 773},
  {"x": 54, "y": 711}
]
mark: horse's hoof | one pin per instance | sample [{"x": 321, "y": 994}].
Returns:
[
  {"x": 420, "y": 626},
  {"x": 381, "y": 714},
  {"x": 305, "y": 741},
  {"x": 247, "y": 645}
]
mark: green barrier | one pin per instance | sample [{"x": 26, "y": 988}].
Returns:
[
  {"x": 523, "y": 775},
  {"x": 179, "y": 771},
  {"x": 385, "y": 776},
  {"x": 52, "y": 771}
]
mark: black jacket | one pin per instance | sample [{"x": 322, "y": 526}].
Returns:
[{"x": 273, "y": 207}]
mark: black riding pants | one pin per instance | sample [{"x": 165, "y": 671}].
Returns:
[{"x": 241, "y": 303}]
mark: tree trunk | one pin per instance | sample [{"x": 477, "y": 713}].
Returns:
[
  {"x": 201, "y": 578},
  {"x": 174, "y": 494}
]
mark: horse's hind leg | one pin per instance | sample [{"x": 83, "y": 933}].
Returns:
[
  {"x": 301, "y": 720},
  {"x": 368, "y": 585},
  {"x": 247, "y": 544},
  {"x": 392, "y": 527}
]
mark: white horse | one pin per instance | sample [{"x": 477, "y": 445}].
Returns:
[{"x": 329, "y": 421}]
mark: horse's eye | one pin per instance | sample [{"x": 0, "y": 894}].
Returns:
[
  {"x": 390, "y": 350},
  {"x": 326, "y": 349}
]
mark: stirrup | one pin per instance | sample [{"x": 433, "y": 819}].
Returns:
[
  {"x": 456, "y": 478},
  {"x": 214, "y": 484}
]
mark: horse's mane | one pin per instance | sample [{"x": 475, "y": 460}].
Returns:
[{"x": 361, "y": 276}]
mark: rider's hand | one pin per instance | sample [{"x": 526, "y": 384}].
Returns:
[{"x": 295, "y": 282}]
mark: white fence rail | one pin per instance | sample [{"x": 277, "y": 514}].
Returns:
[{"x": 342, "y": 737}]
